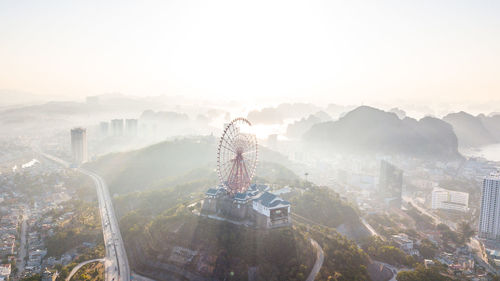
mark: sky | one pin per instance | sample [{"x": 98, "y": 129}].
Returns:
[{"x": 320, "y": 51}]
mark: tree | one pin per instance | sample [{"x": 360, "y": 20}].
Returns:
[
  {"x": 383, "y": 251},
  {"x": 447, "y": 234},
  {"x": 495, "y": 278},
  {"x": 427, "y": 249},
  {"x": 465, "y": 231},
  {"x": 422, "y": 273},
  {"x": 35, "y": 277}
]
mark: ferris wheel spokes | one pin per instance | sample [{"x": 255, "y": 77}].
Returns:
[{"x": 237, "y": 156}]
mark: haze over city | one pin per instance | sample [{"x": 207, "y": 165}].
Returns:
[
  {"x": 391, "y": 52},
  {"x": 263, "y": 140}
]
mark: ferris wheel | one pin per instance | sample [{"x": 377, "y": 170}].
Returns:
[{"x": 237, "y": 156}]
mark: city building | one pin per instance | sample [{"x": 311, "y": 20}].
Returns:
[
  {"x": 131, "y": 127},
  {"x": 79, "y": 145},
  {"x": 117, "y": 127},
  {"x": 445, "y": 199},
  {"x": 49, "y": 276},
  {"x": 5, "y": 270},
  {"x": 104, "y": 129},
  {"x": 489, "y": 217},
  {"x": 403, "y": 242},
  {"x": 390, "y": 184}
]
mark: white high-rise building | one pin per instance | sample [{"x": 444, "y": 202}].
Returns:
[
  {"x": 450, "y": 200},
  {"x": 489, "y": 218},
  {"x": 79, "y": 145}
]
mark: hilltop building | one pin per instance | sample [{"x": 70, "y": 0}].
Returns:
[
  {"x": 79, "y": 145},
  {"x": 255, "y": 206},
  {"x": 489, "y": 218},
  {"x": 390, "y": 185},
  {"x": 445, "y": 199}
]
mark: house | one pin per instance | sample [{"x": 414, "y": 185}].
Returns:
[
  {"x": 5, "y": 270},
  {"x": 405, "y": 244}
]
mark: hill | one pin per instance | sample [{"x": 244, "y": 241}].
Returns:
[
  {"x": 226, "y": 251},
  {"x": 220, "y": 250},
  {"x": 471, "y": 130},
  {"x": 154, "y": 222},
  {"x": 370, "y": 130},
  {"x": 324, "y": 206},
  {"x": 170, "y": 163},
  {"x": 156, "y": 218},
  {"x": 142, "y": 169}
]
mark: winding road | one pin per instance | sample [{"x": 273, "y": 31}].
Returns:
[
  {"x": 78, "y": 266},
  {"x": 320, "y": 257},
  {"x": 116, "y": 266}
]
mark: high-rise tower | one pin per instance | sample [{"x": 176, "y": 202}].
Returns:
[
  {"x": 79, "y": 145},
  {"x": 117, "y": 127},
  {"x": 390, "y": 184},
  {"x": 489, "y": 217}
]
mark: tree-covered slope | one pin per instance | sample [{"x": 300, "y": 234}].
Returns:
[{"x": 170, "y": 163}]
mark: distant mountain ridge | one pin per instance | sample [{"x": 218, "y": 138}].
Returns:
[
  {"x": 299, "y": 127},
  {"x": 474, "y": 131},
  {"x": 370, "y": 130}
]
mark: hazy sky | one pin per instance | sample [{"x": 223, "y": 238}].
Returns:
[{"x": 335, "y": 51}]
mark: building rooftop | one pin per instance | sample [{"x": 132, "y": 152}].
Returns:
[
  {"x": 270, "y": 200},
  {"x": 212, "y": 191},
  {"x": 494, "y": 176}
]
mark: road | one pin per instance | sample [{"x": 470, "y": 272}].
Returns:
[
  {"x": 320, "y": 257},
  {"x": 116, "y": 266},
  {"x": 437, "y": 219},
  {"x": 23, "y": 247},
  {"x": 474, "y": 244},
  {"x": 370, "y": 228},
  {"x": 116, "y": 263},
  {"x": 393, "y": 269},
  {"x": 78, "y": 266}
]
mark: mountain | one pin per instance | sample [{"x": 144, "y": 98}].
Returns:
[
  {"x": 399, "y": 112},
  {"x": 492, "y": 124},
  {"x": 370, "y": 130},
  {"x": 336, "y": 111},
  {"x": 277, "y": 115},
  {"x": 470, "y": 130},
  {"x": 14, "y": 97},
  {"x": 298, "y": 128}
]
